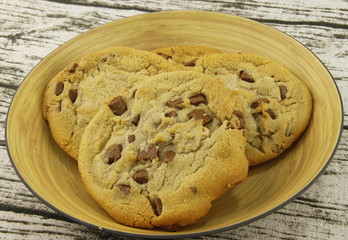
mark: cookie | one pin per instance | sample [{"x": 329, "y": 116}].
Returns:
[
  {"x": 74, "y": 95},
  {"x": 277, "y": 104},
  {"x": 157, "y": 158},
  {"x": 184, "y": 57}
]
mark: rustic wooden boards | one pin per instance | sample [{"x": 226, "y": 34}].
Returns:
[{"x": 31, "y": 29}]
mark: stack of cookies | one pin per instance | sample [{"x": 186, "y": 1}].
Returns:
[{"x": 160, "y": 134}]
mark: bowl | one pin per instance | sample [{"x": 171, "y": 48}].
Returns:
[{"x": 52, "y": 176}]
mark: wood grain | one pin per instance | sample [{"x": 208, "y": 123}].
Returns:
[
  {"x": 55, "y": 179},
  {"x": 32, "y": 29}
]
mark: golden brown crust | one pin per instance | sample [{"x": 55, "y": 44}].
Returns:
[
  {"x": 184, "y": 57},
  {"x": 144, "y": 189},
  {"x": 87, "y": 83},
  {"x": 277, "y": 104}
]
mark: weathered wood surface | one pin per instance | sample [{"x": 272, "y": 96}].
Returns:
[{"x": 29, "y": 30}]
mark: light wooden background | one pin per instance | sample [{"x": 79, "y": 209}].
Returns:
[{"x": 29, "y": 30}]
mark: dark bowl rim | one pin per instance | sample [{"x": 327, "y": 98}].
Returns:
[{"x": 184, "y": 235}]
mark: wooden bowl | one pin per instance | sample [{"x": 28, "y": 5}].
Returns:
[{"x": 53, "y": 177}]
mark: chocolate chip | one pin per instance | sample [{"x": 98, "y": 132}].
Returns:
[
  {"x": 72, "y": 67},
  {"x": 125, "y": 189},
  {"x": 118, "y": 106},
  {"x": 141, "y": 177},
  {"x": 59, "y": 88},
  {"x": 131, "y": 138},
  {"x": 200, "y": 114},
  {"x": 194, "y": 190},
  {"x": 171, "y": 114},
  {"x": 175, "y": 103},
  {"x": 149, "y": 154},
  {"x": 142, "y": 155},
  {"x": 157, "y": 206},
  {"x": 190, "y": 63},
  {"x": 243, "y": 75},
  {"x": 257, "y": 102},
  {"x": 164, "y": 55},
  {"x": 73, "y": 95},
  {"x": 169, "y": 156},
  {"x": 113, "y": 153},
  {"x": 241, "y": 118},
  {"x": 152, "y": 152},
  {"x": 283, "y": 91},
  {"x": 271, "y": 113},
  {"x": 135, "y": 120},
  {"x": 198, "y": 99}
]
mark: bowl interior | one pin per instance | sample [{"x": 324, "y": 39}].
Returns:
[{"x": 54, "y": 178}]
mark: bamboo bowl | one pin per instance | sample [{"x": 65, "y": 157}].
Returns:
[{"x": 53, "y": 177}]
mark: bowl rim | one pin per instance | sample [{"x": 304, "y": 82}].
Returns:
[{"x": 183, "y": 235}]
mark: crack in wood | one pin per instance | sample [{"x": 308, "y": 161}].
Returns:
[
  {"x": 309, "y": 23},
  {"x": 30, "y": 211},
  {"x": 10, "y": 86},
  {"x": 319, "y": 216},
  {"x": 318, "y": 204},
  {"x": 99, "y": 5}
]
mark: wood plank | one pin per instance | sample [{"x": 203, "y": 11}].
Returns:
[
  {"x": 326, "y": 42},
  {"x": 32, "y": 29},
  {"x": 319, "y": 12}
]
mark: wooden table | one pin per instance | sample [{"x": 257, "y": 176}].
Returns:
[{"x": 29, "y": 30}]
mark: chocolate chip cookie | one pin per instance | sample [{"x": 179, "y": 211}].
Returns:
[
  {"x": 184, "y": 57},
  {"x": 277, "y": 104},
  {"x": 74, "y": 95},
  {"x": 158, "y": 156}
]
